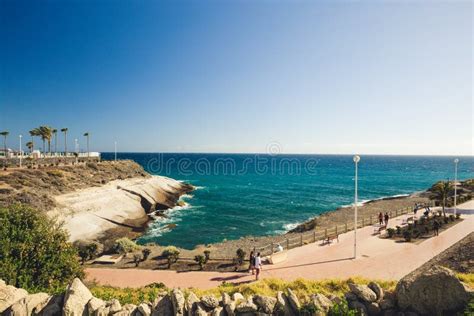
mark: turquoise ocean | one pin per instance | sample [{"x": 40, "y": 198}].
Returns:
[{"x": 260, "y": 194}]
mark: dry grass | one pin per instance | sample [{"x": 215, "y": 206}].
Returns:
[
  {"x": 302, "y": 288},
  {"x": 467, "y": 278}
]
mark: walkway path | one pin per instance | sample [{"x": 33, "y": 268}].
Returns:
[{"x": 377, "y": 258}]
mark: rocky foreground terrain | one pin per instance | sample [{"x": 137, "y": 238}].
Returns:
[{"x": 436, "y": 291}]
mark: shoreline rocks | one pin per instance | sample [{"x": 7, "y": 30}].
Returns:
[{"x": 117, "y": 208}]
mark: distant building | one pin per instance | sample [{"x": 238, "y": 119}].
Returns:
[{"x": 8, "y": 153}]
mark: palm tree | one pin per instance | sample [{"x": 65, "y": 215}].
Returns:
[
  {"x": 55, "y": 133},
  {"x": 29, "y": 145},
  {"x": 64, "y": 130},
  {"x": 86, "y": 134},
  {"x": 5, "y": 134},
  {"x": 442, "y": 190},
  {"x": 46, "y": 133},
  {"x": 33, "y": 133}
]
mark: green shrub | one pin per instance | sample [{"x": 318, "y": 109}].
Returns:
[
  {"x": 207, "y": 254},
  {"x": 407, "y": 234},
  {"x": 446, "y": 220},
  {"x": 35, "y": 252},
  {"x": 341, "y": 309},
  {"x": 308, "y": 309},
  {"x": 83, "y": 254},
  {"x": 171, "y": 253},
  {"x": 201, "y": 260},
  {"x": 137, "y": 258},
  {"x": 240, "y": 255},
  {"x": 451, "y": 218},
  {"x": 125, "y": 245},
  {"x": 458, "y": 215},
  {"x": 92, "y": 250},
  {"x": 390, "y": 232},
  {"x": 146, "y": 253}
]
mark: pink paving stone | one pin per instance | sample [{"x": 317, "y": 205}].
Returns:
[{"x": 377, "y": 259}]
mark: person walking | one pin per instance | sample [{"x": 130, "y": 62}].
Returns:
[
  {"x": 380, "y": 219},
  {"x": 252, "y": 262},
  {"x": 258, "y": 265},
  {"x": 386, "y": 217},
  {"x": 279, "y": 248},
  {"x": 436, "y": 227}
]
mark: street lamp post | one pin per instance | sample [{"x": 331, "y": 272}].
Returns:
[
  {"x": 76, "y": 148},
  {"x": 456, "y": 161},
  {"x": 21, "y": 153},
  {"x": 115, "y": 151},
  {"x": 356, "y": 161}
]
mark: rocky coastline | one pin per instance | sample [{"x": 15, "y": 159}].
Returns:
[{"x": 96, "y": 201}]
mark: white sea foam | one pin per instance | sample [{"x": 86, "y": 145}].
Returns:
[
  {"x": 362, "y": 202},
  {"x": 290, "y": 226}
]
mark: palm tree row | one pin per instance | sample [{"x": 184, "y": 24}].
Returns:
[{"x": 46, "y": 134}]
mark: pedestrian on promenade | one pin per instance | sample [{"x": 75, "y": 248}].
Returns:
[
  {"x": 436, "y": 227},
  {"x": 380, "y": 219},
  {"x": 258, "y": 265},
  {"x": 252, "y": 262},
  {"x": 386, "y": 219}
]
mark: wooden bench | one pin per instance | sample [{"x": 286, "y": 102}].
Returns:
[{"x": 330, "y": 238}]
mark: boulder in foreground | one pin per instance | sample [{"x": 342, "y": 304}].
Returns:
[{"x": 436, "y": 291}]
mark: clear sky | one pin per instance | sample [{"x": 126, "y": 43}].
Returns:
[{"x": 378, "y": 77}]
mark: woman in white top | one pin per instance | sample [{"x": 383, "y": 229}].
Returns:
[{"x": 258, "y": 265}]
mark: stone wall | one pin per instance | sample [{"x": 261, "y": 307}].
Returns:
[{"x": 436, "y": 291}]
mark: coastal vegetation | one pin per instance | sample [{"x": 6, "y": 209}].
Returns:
[
  {"x": 35, "y": 252},
  {"x": 125, "y": 245},
  {"x": 423, "y": 227},
  {"x": 442, "y": 190},
  {"x": 47, "y": 134},
  {"x": 171, "y": 253},
  {"x": 267, "y": 287}
]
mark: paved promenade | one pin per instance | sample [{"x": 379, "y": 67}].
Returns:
[{"x": 377, "y": 258}]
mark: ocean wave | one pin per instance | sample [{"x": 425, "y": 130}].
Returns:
[
  {"x": 290, "y": 226},
  {"x": 362, "y": 202}
]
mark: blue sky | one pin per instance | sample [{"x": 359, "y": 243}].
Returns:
[{"x": 386, "y": 77}]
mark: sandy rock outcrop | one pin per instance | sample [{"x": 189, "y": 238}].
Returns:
[
  {"x": 88, "y": 213},
  {"x": 94, "y": 304},
  {"x": 363, "y": 292},
  {"x": 177, "y": 298},
  {"x": 436, "y": 291},
  {"x": 265, "y": 304},
  {"x": 76, "y": 298},
  {"x": 9, "y": 295}
]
